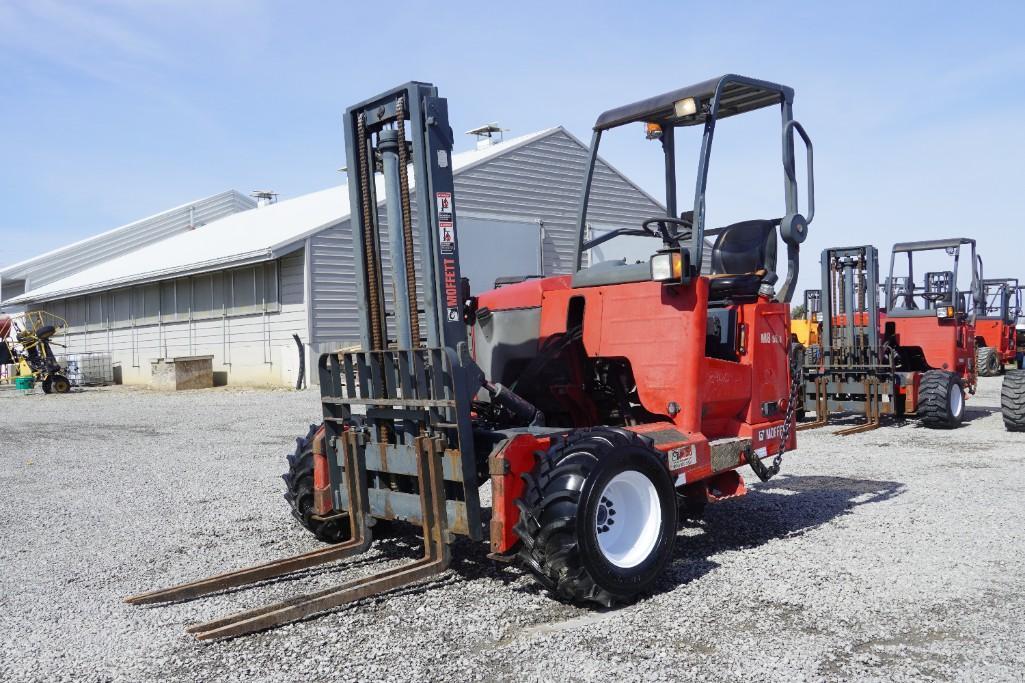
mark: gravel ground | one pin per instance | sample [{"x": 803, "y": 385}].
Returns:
[{"x": 883, "y": 556}]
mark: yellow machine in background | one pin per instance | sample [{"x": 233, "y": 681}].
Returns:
[
  {"x": 26, "y": 348},
  {"x": 806, "y": 330}
]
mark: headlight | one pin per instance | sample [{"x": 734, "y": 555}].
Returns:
[
  {"x": 685, "y": 107},
  {"x": 945, "y": 312},
  {"x": 665, "y": 267}
]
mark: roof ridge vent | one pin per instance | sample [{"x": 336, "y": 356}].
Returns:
[
  {"x": 264, "y": 197},
  {"x": 486, "y": 134}
]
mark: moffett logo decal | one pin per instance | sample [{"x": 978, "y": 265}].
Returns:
[
  {"x": 451, "y": 289},
  {"x": 770, "y": 433}
]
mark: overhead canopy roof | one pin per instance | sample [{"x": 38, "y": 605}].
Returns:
[
  {"x": 926, "y": 245},
  {"x": 248, "y": 237},
  {"x": 739, "y": 94}
]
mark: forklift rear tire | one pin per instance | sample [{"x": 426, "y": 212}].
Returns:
[
  {"x": 598, "y": 517},
  {"x": 1012, "y": 401},
  {"x": 988, "y": 361},
  {"x": 940, "y": 400},
  {"x": 299, "y": 493}
]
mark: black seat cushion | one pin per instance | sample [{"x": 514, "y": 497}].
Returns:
[
  {"x": 746, "y": 247},
  {"x": 734, "y": 287},
  {"x": 743, "y": 257},
  {"x": 45, "y": 332}
]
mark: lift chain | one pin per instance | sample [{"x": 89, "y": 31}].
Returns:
[
  {"x": 766, "y": 473},
  {"x": 370, "y": 256},
  {"x": 407, "y": 223}
]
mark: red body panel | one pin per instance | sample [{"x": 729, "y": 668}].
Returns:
[
  {"x": 508, "y": 464},
  {"x": 946, "y": 344},
  {"x": 999, "y": 335}
]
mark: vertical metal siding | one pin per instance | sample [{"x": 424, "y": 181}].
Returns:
[
  {"x": 539, "y": 180},
  {"x": 249, "y": 348}
]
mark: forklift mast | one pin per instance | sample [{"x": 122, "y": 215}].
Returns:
[
  {"x": 850, "y": 307},
  {"x": 813, "y": 305},
  {"x": 408, "y": 388}
]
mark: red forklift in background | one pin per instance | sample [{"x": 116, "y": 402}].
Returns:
[
  {"x": 996, "y": 325},
  {"x": 915, "y": 356}
]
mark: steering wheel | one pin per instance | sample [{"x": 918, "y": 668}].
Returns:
[
  {"x": 664, "y": 232},
  {"x": 934, "y": 296}
]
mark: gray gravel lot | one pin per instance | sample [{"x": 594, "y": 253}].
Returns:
[{"x": 889, "y": 555}]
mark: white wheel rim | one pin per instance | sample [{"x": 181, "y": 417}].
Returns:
[
  {"x": 628, "y": 519},
  {"x": 956, "y": 401}
]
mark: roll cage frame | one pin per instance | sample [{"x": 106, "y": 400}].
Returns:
[
  {"x": 1010, "y": 299},
  {"x": 953, "y": 249},
  {"x": 712, "y": 100}
]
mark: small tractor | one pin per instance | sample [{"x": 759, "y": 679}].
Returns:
[
  {"x": 995, "y": 326},
  {"x": 598, "y": 405},
  {"x": 26, "y": 345},
  {"x": 916, "y": 356}
]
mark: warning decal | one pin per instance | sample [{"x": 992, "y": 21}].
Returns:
[{"x": 444, "y": 200}]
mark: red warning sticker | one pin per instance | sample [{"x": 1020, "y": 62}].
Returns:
[{"x": 444, "y": 201}]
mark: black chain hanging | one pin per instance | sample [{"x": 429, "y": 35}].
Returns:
[{"x": 765, "y": 473}]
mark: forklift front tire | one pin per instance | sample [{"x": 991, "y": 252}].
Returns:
[
  {"x": 598, "y": 517},
  {"x": 941, "y": 400}
]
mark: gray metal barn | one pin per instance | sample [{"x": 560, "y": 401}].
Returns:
[{"x": 240, "y": 287}]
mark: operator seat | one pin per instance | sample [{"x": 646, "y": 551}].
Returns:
[{"x": 743, "y": 258}]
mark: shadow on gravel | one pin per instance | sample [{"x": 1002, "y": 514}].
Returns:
[
  {"x": 784, "y": 507},
  {"x": 975, "y": 412}
]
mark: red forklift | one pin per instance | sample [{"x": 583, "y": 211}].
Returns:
[
  {"x": 915, "y": 356},
  {"x": 597, "y": 404},
  {"x": 932, "y": 327},
  {"x": 996, "y": 325}
]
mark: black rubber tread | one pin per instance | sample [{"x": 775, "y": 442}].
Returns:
[
  {"x": 59, "y": 384},
  {"x": 934, "y": 399},
  {"x": 551, "y": 527},
  {"x": 299, "y": 492},
  {"x": 988, "y": 362},
  {"x": 47, "y": 387},
  {"x": 1012, "y": 400}
]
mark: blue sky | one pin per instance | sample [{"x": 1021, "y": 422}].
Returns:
[{"x": 114, "y": 110}]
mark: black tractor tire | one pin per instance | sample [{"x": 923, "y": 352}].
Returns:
[
  {"x": 988, "y": 361},
  {"x": 299, "y": 493},
  {"x": 47, "y": 386},
  {"x": 59, "y": 384},
  {"x": 569, "y": 501},
  {"x": 940, "y": 400},
  {"x": 1012, "y": 400}
]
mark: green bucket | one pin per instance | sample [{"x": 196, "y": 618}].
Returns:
[{"x": 24, "y": 382}]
